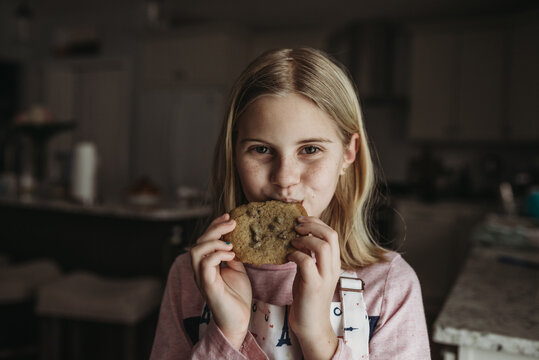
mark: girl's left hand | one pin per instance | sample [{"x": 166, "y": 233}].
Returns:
[{"x": 314, "y": 286}]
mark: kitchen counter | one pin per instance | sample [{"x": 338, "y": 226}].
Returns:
[
  {"x": 492, "y": 311},
  {"x": 152, "y": 213},
  {"x": 108, "y": 239}
]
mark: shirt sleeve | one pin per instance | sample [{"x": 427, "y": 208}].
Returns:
[
  {"x": 401, "y": 332},
  {"x": 214, "y": 345},
  {"x": 171, "y": 340}
]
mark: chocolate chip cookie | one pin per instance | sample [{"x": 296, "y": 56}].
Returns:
[{"x": 264, "y": 231}]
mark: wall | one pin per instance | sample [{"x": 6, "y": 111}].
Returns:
[
  {"x": 158, "y": 134},
  {"x": 173, "y": 124}
]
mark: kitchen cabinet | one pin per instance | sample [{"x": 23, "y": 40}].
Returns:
[
  {"x": 523, "y": 110},
  {"x": 433, "y": 238},
  {"x": 185, "y": 78},
  {"x": 457, "y": 84},
  {"x": 95, "y": 95},
  {"x": 175, "y": 135},
  {"x": 480, "y": 76},
  {"x": 475, "y": 80},
  {"x": 110, "y": 239},
  {"x": 433, "y": 85}
]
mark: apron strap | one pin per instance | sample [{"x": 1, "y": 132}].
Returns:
[{"x": 355, "y": 319}]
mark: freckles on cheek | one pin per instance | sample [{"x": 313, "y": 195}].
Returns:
[
  {"x": 321, "y": 176},
  {"x": 249, "y": 174}
]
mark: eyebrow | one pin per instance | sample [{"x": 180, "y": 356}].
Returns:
[{"x": 303, "y": 141}]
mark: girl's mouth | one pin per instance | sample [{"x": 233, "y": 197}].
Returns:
[{"x": 288, "y": 200}]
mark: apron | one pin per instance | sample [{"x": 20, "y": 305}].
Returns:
[{"x": 269, "y": 323}]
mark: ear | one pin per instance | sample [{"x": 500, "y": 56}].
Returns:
[{"x": 350, "y": 151}]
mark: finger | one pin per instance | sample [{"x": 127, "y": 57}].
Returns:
[
  {"x": 210, "y": 271},
  {"x": 218, "y": 228},
  {"x": 221, "y": 219},
  {"x": 317, "y": 228},
  {"x": 202, "y": 250},
  {"x": 321, "y": 249},
  {"x": 209, "y": 265},
  {"x": 306, "y": 266}
]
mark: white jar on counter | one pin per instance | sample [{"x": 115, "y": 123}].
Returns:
[{"x": 84, "y": 173}]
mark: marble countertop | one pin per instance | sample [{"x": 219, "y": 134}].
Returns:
[
  {"x": 494, "y": 304},
  {"x": 153, "y": 213}
]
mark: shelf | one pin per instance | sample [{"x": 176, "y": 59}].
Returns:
[{"x": 40, "y": 135}]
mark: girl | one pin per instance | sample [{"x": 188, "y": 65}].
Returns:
[{"x": 294, "y": 132}]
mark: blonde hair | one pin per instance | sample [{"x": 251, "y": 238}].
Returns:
[{"x": 315, "y": 75}]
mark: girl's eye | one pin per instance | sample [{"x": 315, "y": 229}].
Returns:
[
  {"x": 310, "y": 149},
  {"x": 261, "y": 149}
]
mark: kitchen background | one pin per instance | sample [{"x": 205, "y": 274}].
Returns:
[{"x": 449, "y": 90}]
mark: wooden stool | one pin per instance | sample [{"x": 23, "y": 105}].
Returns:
[
  {"x": 83, "y": 298},
  {"x": 18, "y": 287}
]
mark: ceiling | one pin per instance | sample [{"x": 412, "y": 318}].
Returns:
[
  {"x": 286, "y": 13},
  {"x": 276, "y": 13}
]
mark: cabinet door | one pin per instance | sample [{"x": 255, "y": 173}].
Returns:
[
  {"x": 175, "y": 135},
  {"x": 480, "y": 91},
  {"x": 523, "y": 112},
  {"x": 434, "y": 241},
  {"x": 103, "y": 119},
  {"x": 458, "y": 83},
  {"x": 433, "y": 86},
  {"x": 60, "y": 86},
  {"x": 428, "y": 245}
]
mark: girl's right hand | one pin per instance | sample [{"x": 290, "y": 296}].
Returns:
[{"x": 227, "y": 290}]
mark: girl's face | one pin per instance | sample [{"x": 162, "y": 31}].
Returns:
[{"x": 288, "y": 149}]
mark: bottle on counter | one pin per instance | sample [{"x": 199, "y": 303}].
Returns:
[{"x": 84, "y": 173}]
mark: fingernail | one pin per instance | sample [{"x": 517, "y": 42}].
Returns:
[{"x": 228, "y": 242}]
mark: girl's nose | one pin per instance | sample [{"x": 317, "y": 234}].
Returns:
[{"x": 286, "y": 172}]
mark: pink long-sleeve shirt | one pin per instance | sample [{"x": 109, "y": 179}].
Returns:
[{"x": 392, "y": 296}]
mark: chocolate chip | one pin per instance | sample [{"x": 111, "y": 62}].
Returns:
[
  {"x": 252, "y": 212},
  {"x": 255, "y": 231}
]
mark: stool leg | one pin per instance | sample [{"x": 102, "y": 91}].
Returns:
[
  {"x": 50, "y": 334},
  {"x": 130, "y": 342}
]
